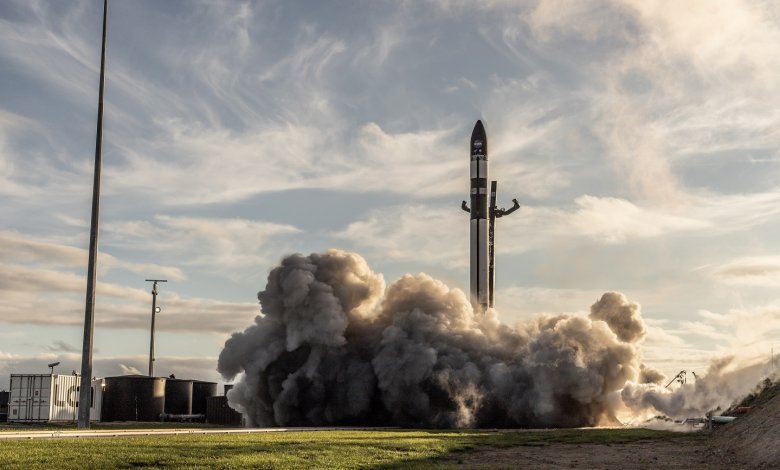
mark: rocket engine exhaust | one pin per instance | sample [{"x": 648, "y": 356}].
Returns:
[{"x": 334, "y": 346}]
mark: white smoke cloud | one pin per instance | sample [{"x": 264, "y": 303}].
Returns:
[
  {"x": 725, "y": 381},
  {"x": 335, "y": 346}
]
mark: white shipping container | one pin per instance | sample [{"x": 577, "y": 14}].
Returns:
[{"x": 43, "y": 398}]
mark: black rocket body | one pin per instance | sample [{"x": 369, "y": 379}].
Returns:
[{"x": 478, "y": 147}]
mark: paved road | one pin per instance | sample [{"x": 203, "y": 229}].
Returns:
[{"x": 58, "y": 434}]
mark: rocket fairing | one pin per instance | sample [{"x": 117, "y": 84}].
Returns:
[{"x": 482, "y": 222}]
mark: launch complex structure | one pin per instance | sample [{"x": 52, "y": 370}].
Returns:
[{"x": 483, "y": 222}]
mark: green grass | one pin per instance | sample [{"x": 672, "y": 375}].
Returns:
[{"x": 320, "y": 449}]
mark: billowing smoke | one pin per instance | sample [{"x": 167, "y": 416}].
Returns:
[
  {"x": 335, "y": 347},
  {"x": 724, "y": 382}
]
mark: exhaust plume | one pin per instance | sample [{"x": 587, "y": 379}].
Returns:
[
  {"x": 334, "y": 346},
  {"x": 724, "y": 382}
]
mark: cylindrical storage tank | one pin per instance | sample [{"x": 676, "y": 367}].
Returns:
[
  {"x": 200, "y": 391},
  {"x": 218, "y": 412},
  {"x": 133, "y": 398},
  {"x": 178, "y": 397},
  {"x": 4, "y": 399}
]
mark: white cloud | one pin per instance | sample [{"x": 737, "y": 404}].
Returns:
[
  {"x": 728, "y": 35},
  {"x": 15, "y": 247},
  {"x": 13, "y": 172},
  {"x": 223, "y": 165},
  {"x": 44, "y": 41},
  {"x": 591, "y": 20},
  {"x": 228, "y": 246},
  {"x": 604, "y": 220},
  {"x": 47, "y": 297},
  {"x": 751, "y": 271},
  {"x": 738, "y": 212},
  {"x": 615, "y": 220},
  {"x": 423, "y": 234},
  {"x": 43, "y": 283},
  {"x": 434, "y": 234},
  {"x": 739, "y": 331}
]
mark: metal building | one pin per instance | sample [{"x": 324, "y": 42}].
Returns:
[
  {"x": 134, "y": 398},
  {"x": 38, "y": 398},
  {"x": 219, "y": 412}
]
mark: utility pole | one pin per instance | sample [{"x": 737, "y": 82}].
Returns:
[
  {"x": 155, "y": 310},
  {"x": 85, "y": 397}
]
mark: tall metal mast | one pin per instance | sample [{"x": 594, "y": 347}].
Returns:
[
  {"x": 85, "y": 396},
  {"x": 493, "y": 213},
  {"x": 155, "y": 310}
]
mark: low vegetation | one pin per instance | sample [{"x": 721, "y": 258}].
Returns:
[{"x": 309, "y": 449}]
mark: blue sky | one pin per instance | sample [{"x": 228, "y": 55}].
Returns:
[{"x": 640, "y": 137}]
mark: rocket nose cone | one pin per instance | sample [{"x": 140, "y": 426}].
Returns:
[
  {"x": 479, "y": 130},
  {"x": 479, "y": 138}
]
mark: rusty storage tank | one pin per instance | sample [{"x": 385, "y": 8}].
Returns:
[
  {"x": 218, "y": 412},
  {"x": 133, "y": 398},
  {"x": 200, "y": 391},
  {"x": 178, "y": 396}
]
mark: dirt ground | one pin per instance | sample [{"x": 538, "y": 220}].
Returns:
[
  {"x": 676, "y": 454},
  {"x": 752, "y": 441}
]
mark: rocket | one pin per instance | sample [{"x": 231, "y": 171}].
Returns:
[
  {"x": 478, "y": 150},
  {"x": 482, "y": 223}
]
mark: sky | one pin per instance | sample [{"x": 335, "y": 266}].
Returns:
[{"x": 640, "y": 138}]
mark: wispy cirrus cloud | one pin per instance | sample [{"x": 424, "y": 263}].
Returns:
[
  {"x": 39, "y": 296},
  {"x": 762, "y": 271},
  {"x": 43, "y": 282},
  {"x": 421, "y": 233},
  {"x": 614, "y": 220},
  {"x": 228, "y": 246},
  {"x": 736, "y": 331},
  {"x": 18, "y": 248},
  {"x": 436, "y": 234}
]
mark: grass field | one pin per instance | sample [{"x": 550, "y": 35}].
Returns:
[{"x": 321, "y": 449}]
